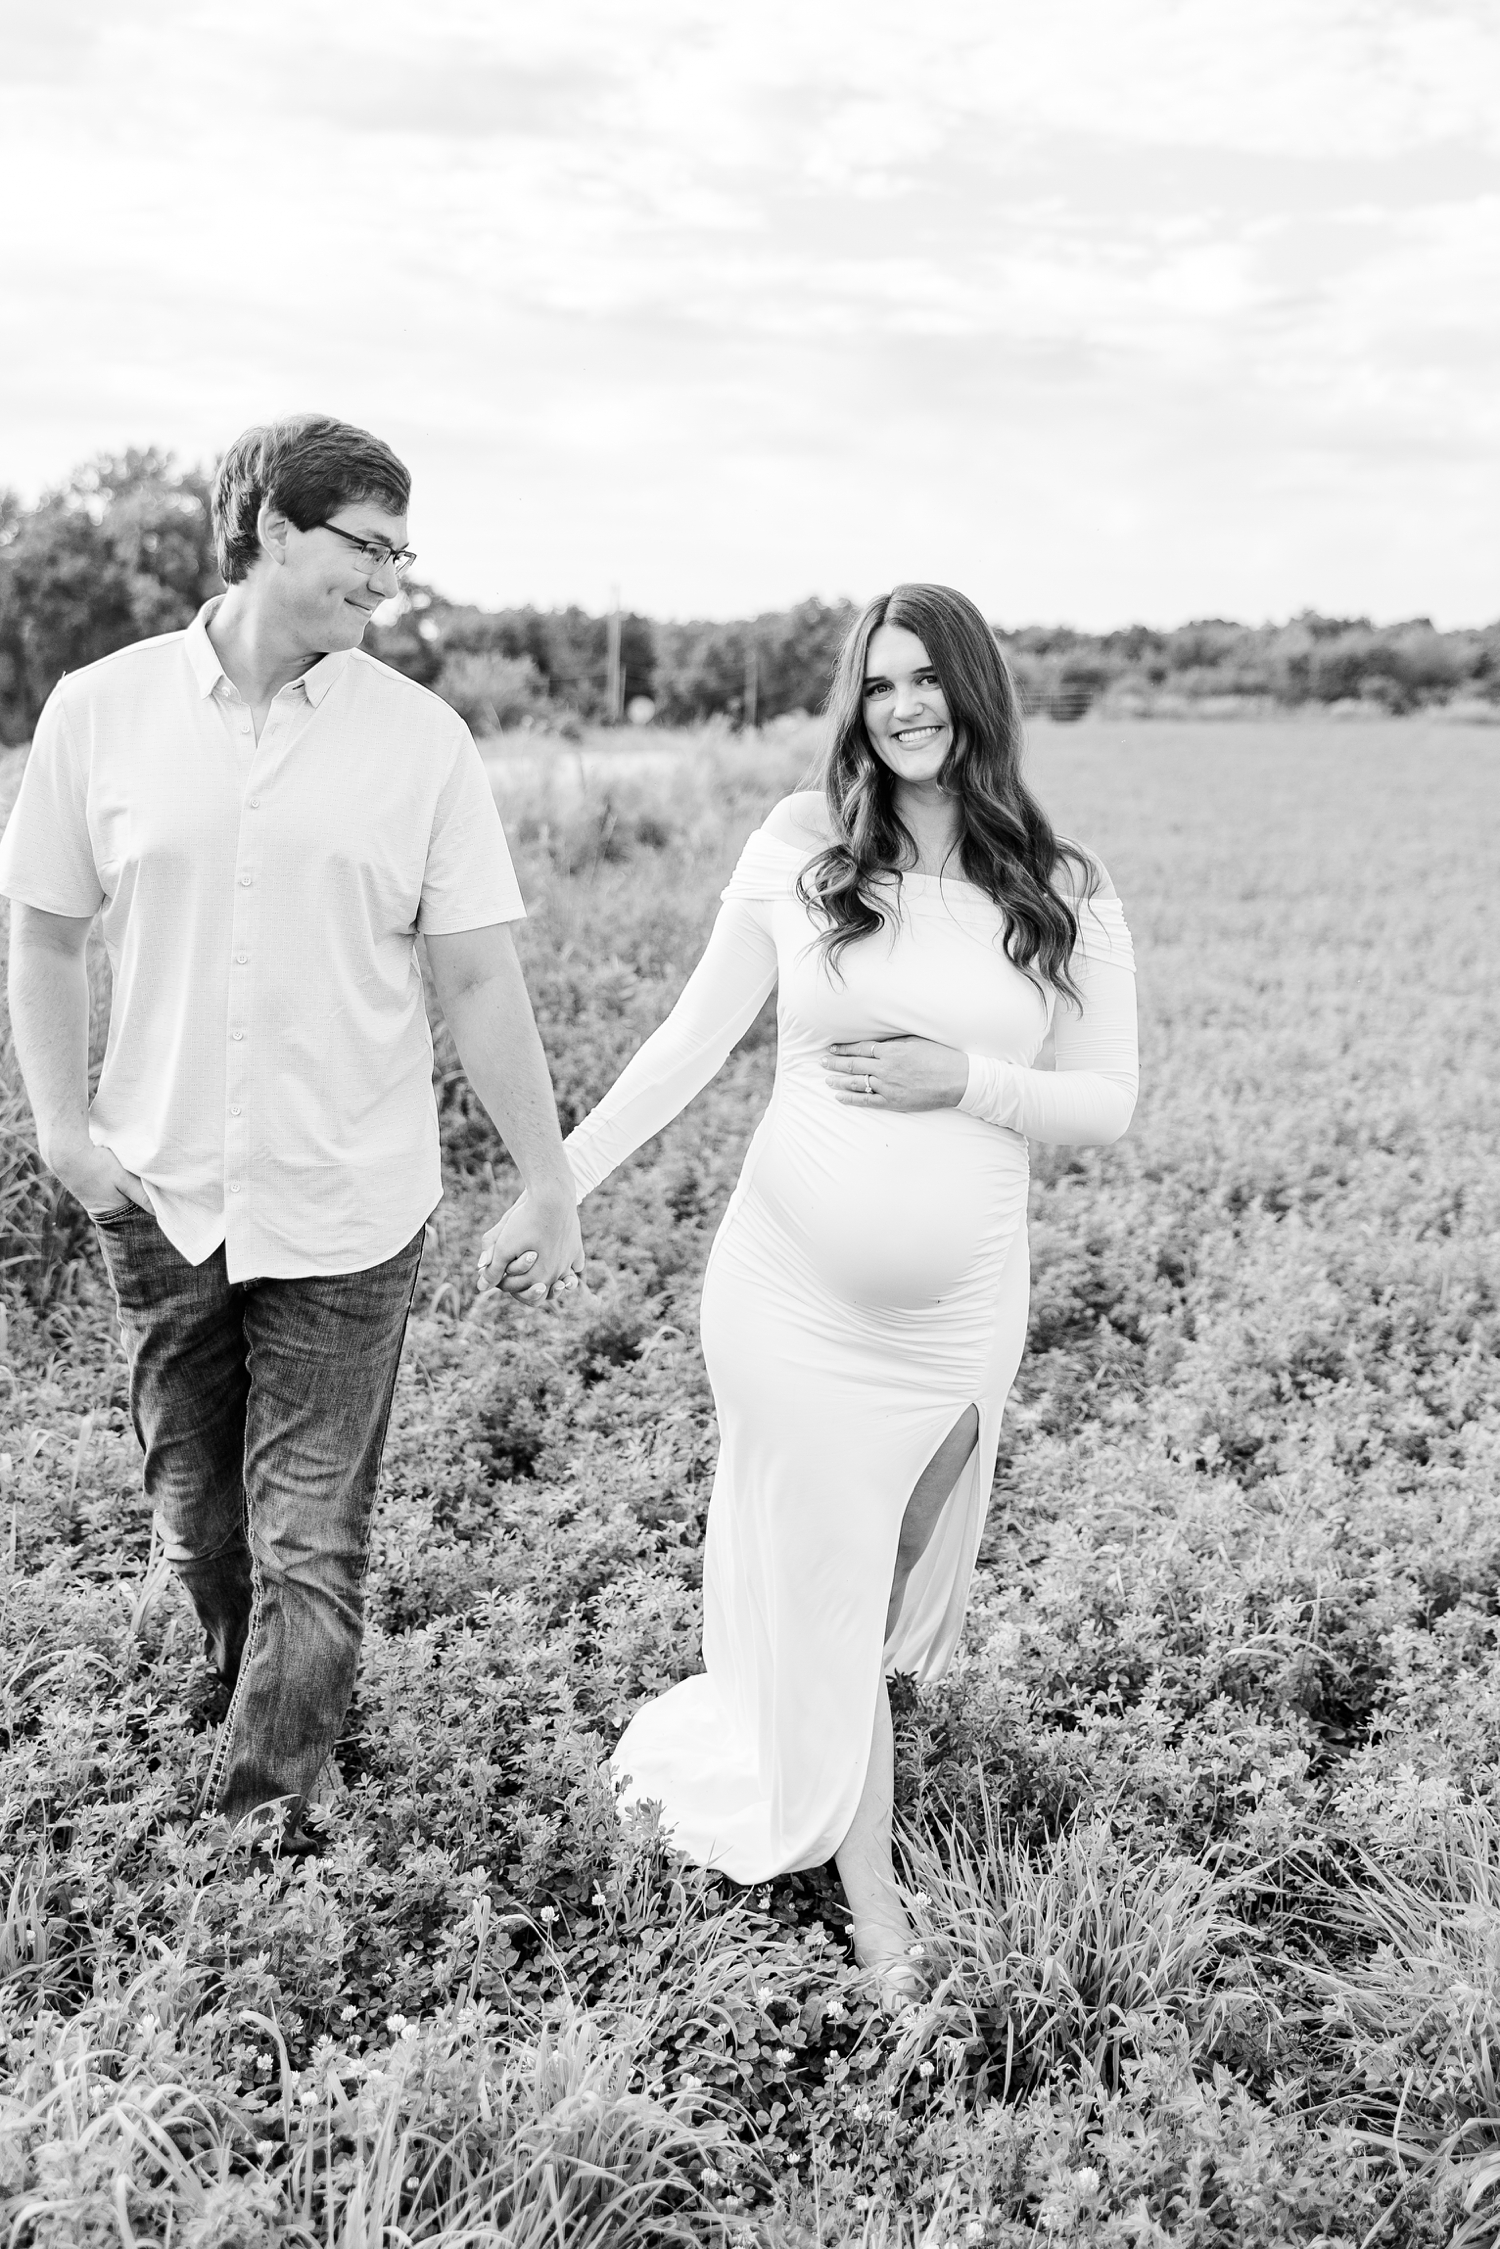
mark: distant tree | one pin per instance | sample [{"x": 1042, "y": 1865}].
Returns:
[
  {"x": 119, "y": 552},
  {"x": 123, "y": 550},
  {"x": 701, "y": 663},
  {"x": 569, "y": 648},
  {"x": 413, "y": 643},
  {"x": 700, "y": 671},
  {"x": 797, "y": 650},
  {"x": 492, "y": 692}
]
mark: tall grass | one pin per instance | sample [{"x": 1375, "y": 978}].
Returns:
[
  {"x": 456, "y": 2131},
  {"x": 1076, "y": 1954},
  {"x": 1413, "y": 2009}
]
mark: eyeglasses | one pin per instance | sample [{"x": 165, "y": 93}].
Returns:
[{"x": 374, "y": 553}]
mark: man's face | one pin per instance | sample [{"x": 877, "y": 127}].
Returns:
[{"x": 336, "y": 575}]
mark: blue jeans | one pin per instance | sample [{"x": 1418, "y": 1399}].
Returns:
[{"x": 261, "y": 1407}]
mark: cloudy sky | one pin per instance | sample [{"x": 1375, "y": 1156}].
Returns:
[{"x": 1100, "y": 309}]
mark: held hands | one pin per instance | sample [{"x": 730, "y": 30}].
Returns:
[
  {"x": 900, "y": 1073},
  {"x": 536, "y": 1251}
]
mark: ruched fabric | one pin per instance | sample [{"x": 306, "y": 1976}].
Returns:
[{"x": 867, "y": 1286}]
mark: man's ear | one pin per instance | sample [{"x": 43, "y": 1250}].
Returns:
[{"x": 271, "y": 528}]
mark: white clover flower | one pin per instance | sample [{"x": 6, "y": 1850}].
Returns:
[
  {"x": 265, "y": 2149},
  {"x": 764, "y": 1995},
  {"x": 915, "y": 1951},
  {"x": 974, "y": 2230},
  {"x": 549, "y": 1914},
  {"x": 924, "y": 2069},
  {"x": 397, "y": 2025},
  {"x": 783, "y": 2056},
  {"x": 348, "y": 2014},
  {"x": 411, "y": 2182},
  {"x": 690, "y": 2083},
  {"x": 835, "y": 2010},
  {"x": 1086, "y": 2180},
  {"x": 711, "y": 2177},
  {"x": 598, "y": 1898},
  {"x": 920, "y": 1897}
]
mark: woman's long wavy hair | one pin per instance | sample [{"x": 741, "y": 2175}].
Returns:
[{"x": 1006, "y": 844}]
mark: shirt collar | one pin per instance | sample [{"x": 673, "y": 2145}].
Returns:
[
  {"x": 201, "y": 655},
  {"x": 208, "y": 671},
  {"x": 322, "y": 675}
]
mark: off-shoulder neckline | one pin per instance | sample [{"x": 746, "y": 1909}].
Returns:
[
  {"x": 908, "y": 874},
  {"x": 811, "y": 851}
]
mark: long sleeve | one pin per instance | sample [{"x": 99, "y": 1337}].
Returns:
[
  {"x": 1088, "y": 1100},
  {"x": 719, "y": 1002}
]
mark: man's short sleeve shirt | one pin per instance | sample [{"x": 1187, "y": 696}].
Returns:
[{"x": 268, "y": 1072}]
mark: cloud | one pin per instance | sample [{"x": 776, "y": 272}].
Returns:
[{"x": 1136, "y": 303}]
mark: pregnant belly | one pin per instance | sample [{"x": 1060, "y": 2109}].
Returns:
[{"x": 890, "y": 1211}]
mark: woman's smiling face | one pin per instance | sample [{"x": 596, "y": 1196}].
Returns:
[{"x": 905, "y": 710}]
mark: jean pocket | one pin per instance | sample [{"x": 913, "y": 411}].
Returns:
[{"x": 120, "y": 1211}]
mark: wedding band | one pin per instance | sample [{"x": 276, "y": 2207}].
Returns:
[{"x": 869, "y": 1083}]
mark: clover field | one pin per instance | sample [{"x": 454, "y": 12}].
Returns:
[{"x": 1202, "y": 1830}]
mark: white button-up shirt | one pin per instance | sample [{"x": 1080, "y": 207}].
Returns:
[{"x": 269, "y": 1066}]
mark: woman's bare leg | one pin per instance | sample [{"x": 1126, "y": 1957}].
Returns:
[
  {"x": 930, "y": 1495},
  {"x": 866, "y": 1869},
  {"x": 864, "y": 1857}
]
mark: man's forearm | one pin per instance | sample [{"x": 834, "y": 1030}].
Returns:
[
  {"x": 49, "y": 1016},
  {"x": 498, "y": 1044}
]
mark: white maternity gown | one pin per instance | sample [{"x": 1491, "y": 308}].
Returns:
[{"x": 868, "y": 1284}]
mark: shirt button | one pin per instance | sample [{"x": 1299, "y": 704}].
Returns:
[
  {"x": 234, "y": 1108},
  {"x": 234, "y": 1186},
  {"x": 242, "y": 957},
  {"x": 244, "y": 882},
  {"x": 236, "y": 1034},
  {"x": 255, "y": 804}
]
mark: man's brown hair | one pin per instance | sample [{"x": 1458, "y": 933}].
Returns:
[{"x": 308, "y": 465}]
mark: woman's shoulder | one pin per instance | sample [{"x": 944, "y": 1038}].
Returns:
[
  {"x": 793, "y": 832},
  {"x": 1103, "y": 934},
  {"x": 800, "y": 820},
  {"x": 1081, "y": 876}
]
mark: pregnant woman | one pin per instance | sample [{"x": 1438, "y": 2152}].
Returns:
[{"x": 864, "y": 1306}]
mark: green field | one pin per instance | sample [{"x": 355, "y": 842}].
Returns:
[{"x": 1203, "y": 1828}]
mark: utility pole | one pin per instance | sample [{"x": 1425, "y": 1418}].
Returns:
[
  {"x": 614, "y": 670},
  {"x": 752, "y": 679}
]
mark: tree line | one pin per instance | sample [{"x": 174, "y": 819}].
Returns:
[{"x": 123, "y": 549}]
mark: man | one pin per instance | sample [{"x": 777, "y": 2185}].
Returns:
[{"x": 267, "y": 817}]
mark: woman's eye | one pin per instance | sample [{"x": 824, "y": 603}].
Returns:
[{"x": 877, "y": 687}]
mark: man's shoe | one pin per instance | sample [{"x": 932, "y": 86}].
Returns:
[
  {"x": 299, "y": 1835},
  {"x": 279, "y": 1832}
]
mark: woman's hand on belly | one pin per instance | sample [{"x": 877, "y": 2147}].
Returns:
[{"x": 900, "y": 1073}]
